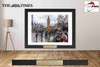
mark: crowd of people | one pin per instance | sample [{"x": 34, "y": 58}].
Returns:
[
  {"x": 62, "y": 36},
  {"x": 45, "y": 32},
  {"x": 37, "y": 33}
]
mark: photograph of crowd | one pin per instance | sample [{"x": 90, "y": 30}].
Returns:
[{"x": 49, "y": 28}]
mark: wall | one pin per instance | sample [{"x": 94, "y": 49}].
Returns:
[
  {"x": 87, "y": 24},
  {"x": 1, "y": 26},
  {"x": 87, "y": 28}
]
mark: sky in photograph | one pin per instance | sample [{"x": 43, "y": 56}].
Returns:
[{"x": 41, "y": 18}]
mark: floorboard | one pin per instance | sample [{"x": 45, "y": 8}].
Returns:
[{"x": 93, "y": 57}]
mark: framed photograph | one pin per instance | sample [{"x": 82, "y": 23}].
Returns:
[{"x": 50, "y": 28}]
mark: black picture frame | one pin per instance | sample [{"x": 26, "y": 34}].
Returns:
[{"x": 50, "y": 10}]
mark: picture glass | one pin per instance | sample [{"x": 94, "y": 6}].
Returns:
[{"x": 50, "y": 28}]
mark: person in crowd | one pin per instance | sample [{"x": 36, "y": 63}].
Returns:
[
  {"x": 36, "y": 35},
  {"x": 41, "y": 34},
  {"x": 61, "y": 40},
  {"x": 63, "y": 34},
  {"x": 65, "y": 39},
  {"x": 58, "y": 38},
  {"x": 45, "y": 33},
  {"x": 66, "y": 34}
]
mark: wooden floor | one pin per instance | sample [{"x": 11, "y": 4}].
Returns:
[{"x": 93, "y": 57}]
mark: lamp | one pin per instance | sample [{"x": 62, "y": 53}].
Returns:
[{"x": 8, "y": 23}]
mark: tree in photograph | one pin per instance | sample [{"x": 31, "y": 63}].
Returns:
[{"x": 62, "y": 19}]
